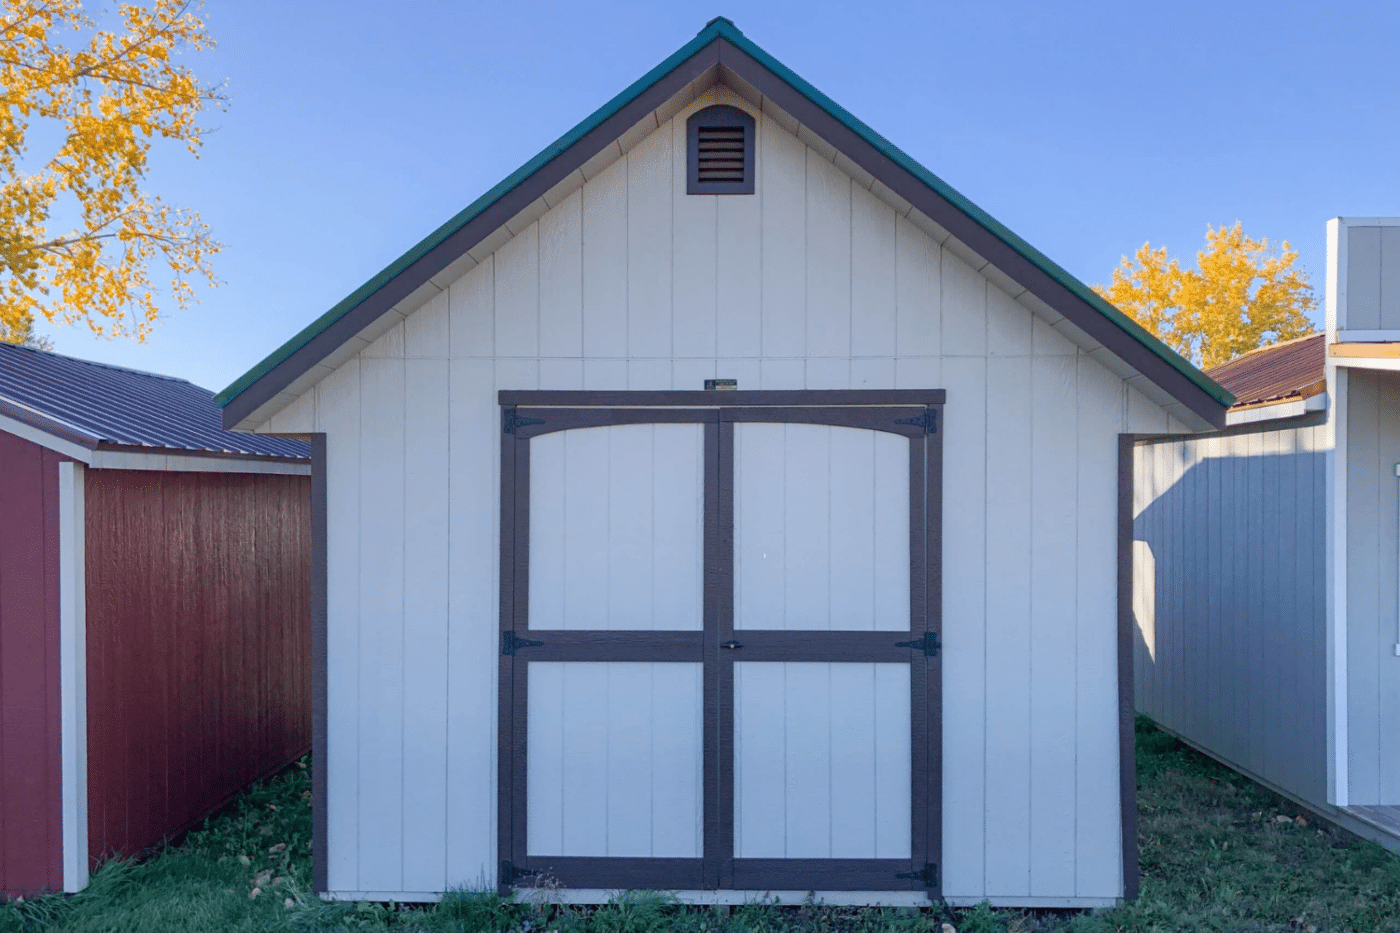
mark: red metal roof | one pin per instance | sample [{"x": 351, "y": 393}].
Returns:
[{"x": 1282, "y": 372}]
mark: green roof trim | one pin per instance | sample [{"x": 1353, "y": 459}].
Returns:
[{"x": 722, "y": 28}]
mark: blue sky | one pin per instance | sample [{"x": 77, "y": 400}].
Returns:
[{"x": 355, "y": 128}]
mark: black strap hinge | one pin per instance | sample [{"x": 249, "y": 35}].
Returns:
[
  {"x": 510, "y": 643},
  {"x": 928, "y": 420},
  {"x": 512, "y": 875},
  {"x": 928, "y": 875},
  {"x": 510, "y": 421},
  {"x": 929, "y": 644}
]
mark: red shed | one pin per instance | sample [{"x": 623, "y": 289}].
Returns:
[{"x": 155, "y": 605}]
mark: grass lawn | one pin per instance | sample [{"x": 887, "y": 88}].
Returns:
[{"x": 1218, "y": 853}]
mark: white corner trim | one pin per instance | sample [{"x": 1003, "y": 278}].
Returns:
[
  {"x": 1336, "y": 492},
  {"x": 72, "y": 653},
  {"x": 1365, "y": 362},
  {"x": 1276, "y": 412}
]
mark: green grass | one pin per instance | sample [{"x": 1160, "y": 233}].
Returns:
[{"x": 1216, "y": 856}]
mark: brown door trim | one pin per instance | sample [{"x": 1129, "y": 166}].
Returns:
[{"x": 911, "y": 414}]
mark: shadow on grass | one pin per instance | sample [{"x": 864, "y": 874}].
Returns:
[{"x": 1218, "y": 853}]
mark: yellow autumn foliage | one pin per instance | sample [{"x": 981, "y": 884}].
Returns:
[
  {"x": 79, "y": 234},
  {"x": 1243, "y": 294}
]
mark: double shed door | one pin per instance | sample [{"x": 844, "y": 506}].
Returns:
[{"x": 719, "y": 652}]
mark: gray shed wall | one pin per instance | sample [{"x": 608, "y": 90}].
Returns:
[
  {"x": 1229, "y": 599},
  {"x": 1373, "y": 278},
  {"x": 1373, "y": 670}
]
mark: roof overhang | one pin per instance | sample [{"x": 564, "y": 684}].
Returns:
[
  {"x": 720, "y": 53},
  {"x": 73, "y": 442}
]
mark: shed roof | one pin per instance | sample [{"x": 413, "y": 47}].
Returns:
[
  {"x": 719, "y": 48},
  {"x": 95, "y": 404},
  {"x": 1283, "y": 372}
]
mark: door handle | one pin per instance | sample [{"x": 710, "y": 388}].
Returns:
[{"x": 731, "y": 645}]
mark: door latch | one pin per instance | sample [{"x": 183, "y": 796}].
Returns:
[{"x": 929, "y": 644}]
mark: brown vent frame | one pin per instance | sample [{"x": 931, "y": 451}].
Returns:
[{"x": 716, "y": 118}]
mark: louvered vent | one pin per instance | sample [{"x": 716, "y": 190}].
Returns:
[
  {"x": 721, "y": 151},
  {"x": 720, "y": 154}
]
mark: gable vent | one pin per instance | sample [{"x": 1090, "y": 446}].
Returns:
[
  {"x": 720, "y": 154},
  {"x": 721, "y": 151}
]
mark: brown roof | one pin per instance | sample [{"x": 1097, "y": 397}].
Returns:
[{"x": 1283, "y": 372}]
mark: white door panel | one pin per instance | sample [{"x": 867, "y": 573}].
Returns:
[
  {"x": 613, "y": 759},
  {"x": 821, "y": 523},
  {"x": 821, "y": 760},
  {"x": 616, "y": 528}
]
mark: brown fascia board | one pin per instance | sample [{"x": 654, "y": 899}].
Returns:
[
  {"x": 973, "y": 234},
  {"x": 723, "y": 53},
  {"x": 479, "y": 228}
]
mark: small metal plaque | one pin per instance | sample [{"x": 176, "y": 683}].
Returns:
[{"x": 721, "y": 385}]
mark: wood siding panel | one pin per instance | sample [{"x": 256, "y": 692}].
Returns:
[
  {"x": 1008, "y": 519},
  {"x": 1098, "y": 864},
  {"x": 1054, "y": 589},
  {"x": 198, "y": 645},
  {"x": 381, "y": 642},
  {"x": 964, "y": 628},
  {"x": 650, "y": 197},
  {"x": 473, "y": 629},
  {"x": 782, "y": 171},
  {"x": 1390, "y": 278},
  {"x": 695, "y": 281},
  {"x": 427, "y": 395},
  {"x": 1363, "y": 306},
  {"x": 338, "y": 417},
  {"x": 31, "y": 798},
  {"x": 806, "y": 266},
  {"x": 1231, "y": 645}
]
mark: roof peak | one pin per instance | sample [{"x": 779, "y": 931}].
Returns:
[{"x": 720, "y": 22}]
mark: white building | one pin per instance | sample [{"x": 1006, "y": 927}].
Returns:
[
  {"x": 1266, "y": 580},
  {"x": 853, "y": 628}
]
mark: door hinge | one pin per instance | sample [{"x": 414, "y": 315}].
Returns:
[
  {"x": 928, "y": 875},
  {"x": 511, "y": 875},
  {"x": 929, "y": 644},
  {"x": 510, "y": 421},
  {"x": 510, "y": 643},
  {"x": 928, "y": 420}
]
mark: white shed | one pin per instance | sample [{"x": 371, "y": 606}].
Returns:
[
  {"x": 851, "y": 628},
  {"x": 1267, "y": 591}
]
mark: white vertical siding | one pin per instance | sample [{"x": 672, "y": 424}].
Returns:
[
  {"x": 1231, "y": 647},
  {"x": 809, "y": 283}
]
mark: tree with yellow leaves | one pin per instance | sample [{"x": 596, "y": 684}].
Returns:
[
  {"x": 1243, "y": 294},
  {"x": 79, "y": 234}
]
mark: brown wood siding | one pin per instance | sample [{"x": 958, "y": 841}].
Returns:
[
  {"x": 198, "y": 645},
  {"x": 31, "y": 783}
]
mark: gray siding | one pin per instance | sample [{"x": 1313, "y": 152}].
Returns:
[
  {"x": 1373, "y": 670},
  {"x": 1229, "y": 599},
  {"x": 1373, "y": 278}
]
